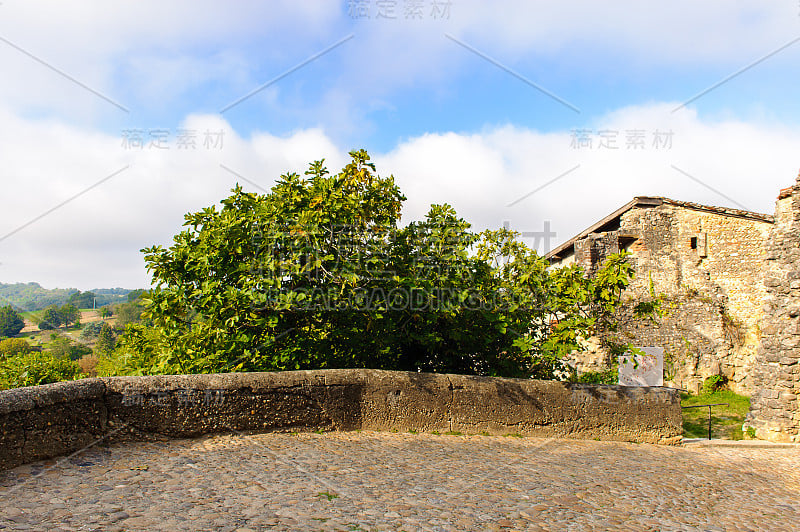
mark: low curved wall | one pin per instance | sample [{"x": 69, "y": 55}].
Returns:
[{"x": 56, "y": 419}]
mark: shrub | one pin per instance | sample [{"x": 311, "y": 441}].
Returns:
[
  {"x": 609, "y": 376},
  {"x": 36, "y": 368},
  {"x": 88, "y": 364},
  {"x": 14, "y": 346},
  {"x": 63, "y": 347},
  {"x": 78, "y": 351},
  {"x": 91, "y": 330},
  {"x": 59, "y": 347},
  {"x": 713, "y": 383}
]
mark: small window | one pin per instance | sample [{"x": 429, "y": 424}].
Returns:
[{"x": 693, "y": 242}]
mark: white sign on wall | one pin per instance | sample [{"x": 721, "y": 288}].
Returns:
[{"x": 642, "y": 370}]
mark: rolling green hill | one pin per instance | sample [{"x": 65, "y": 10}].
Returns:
[{"x": 31, "y": 296}]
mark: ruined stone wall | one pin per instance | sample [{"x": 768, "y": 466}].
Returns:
[
  {"x": 56, "y": 419},
  {"x": 592, "y": 251},
  {"x": 708, "y": 267},
  {"x": 774, "y": 410}
]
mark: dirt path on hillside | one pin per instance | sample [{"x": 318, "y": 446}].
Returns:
[{"x": 87, "y": 316}]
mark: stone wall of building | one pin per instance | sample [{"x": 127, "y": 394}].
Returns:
[
  {"x": 707, "y": 264},
  {"x": 709, "y": 268},
  {"x": 56, "y": 419},
  {"x": 590, "y": 252},
  {"x": 774, "y": 413}
]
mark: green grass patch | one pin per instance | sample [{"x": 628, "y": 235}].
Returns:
[
  {"x": 726, "y": 421},
  {"x": 32, "y": 315}
]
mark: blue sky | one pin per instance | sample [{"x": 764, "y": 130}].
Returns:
[{"x": 450, "y": 97}]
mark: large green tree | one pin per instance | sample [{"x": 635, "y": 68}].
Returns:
[
  {"x": 318, "y": 273},
  {"x": 50, "y": 319},
  {"x": 105, "y": 340},
  {"x": 11, "y": 323},
  {"x": 69, "y": 314}
]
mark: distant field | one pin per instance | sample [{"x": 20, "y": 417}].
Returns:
[{"x": 32, "y": 319}]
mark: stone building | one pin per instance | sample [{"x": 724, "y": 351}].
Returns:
[
  {"x": 774, "y": 413},
  {"x": 706, "y": 263}
]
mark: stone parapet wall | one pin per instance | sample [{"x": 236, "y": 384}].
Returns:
[{"x": 57, "y": 419}]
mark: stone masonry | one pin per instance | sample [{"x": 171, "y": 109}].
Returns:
[
  {"x": 774, "y": 413},
  {"x": 40, "y": 422},
  {"x": 706, "y": 262}
]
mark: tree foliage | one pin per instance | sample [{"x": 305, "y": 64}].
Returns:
[
  {"x": 91, "y": 330},
  {"x": 105, "y": 340},
  {"x": 128, "y": 313},
  {"x": 319, "y": 274},
  {"x": 33, "y": 368},
  {"x": 14, "y": 346},
  {"x": 82, "y": 299},
  {"x": 64, "y": 347},
  {"x": 11, "y": 323},
  {"x": 50, "y": 319},
  {"x": 134, "y": 295},
  {"x": 69, "y": 314}
]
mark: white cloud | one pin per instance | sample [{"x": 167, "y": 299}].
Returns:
[
  {"x": 482, "y": 174},
  {"x": 150, "y": 55},
  {"x": 94, "y": 240}
]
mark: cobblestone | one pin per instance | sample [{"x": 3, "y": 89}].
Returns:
[{"x": 386, "y": 481}]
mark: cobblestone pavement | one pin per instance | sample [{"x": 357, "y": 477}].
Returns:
[{"x": 385, "y": 481}]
